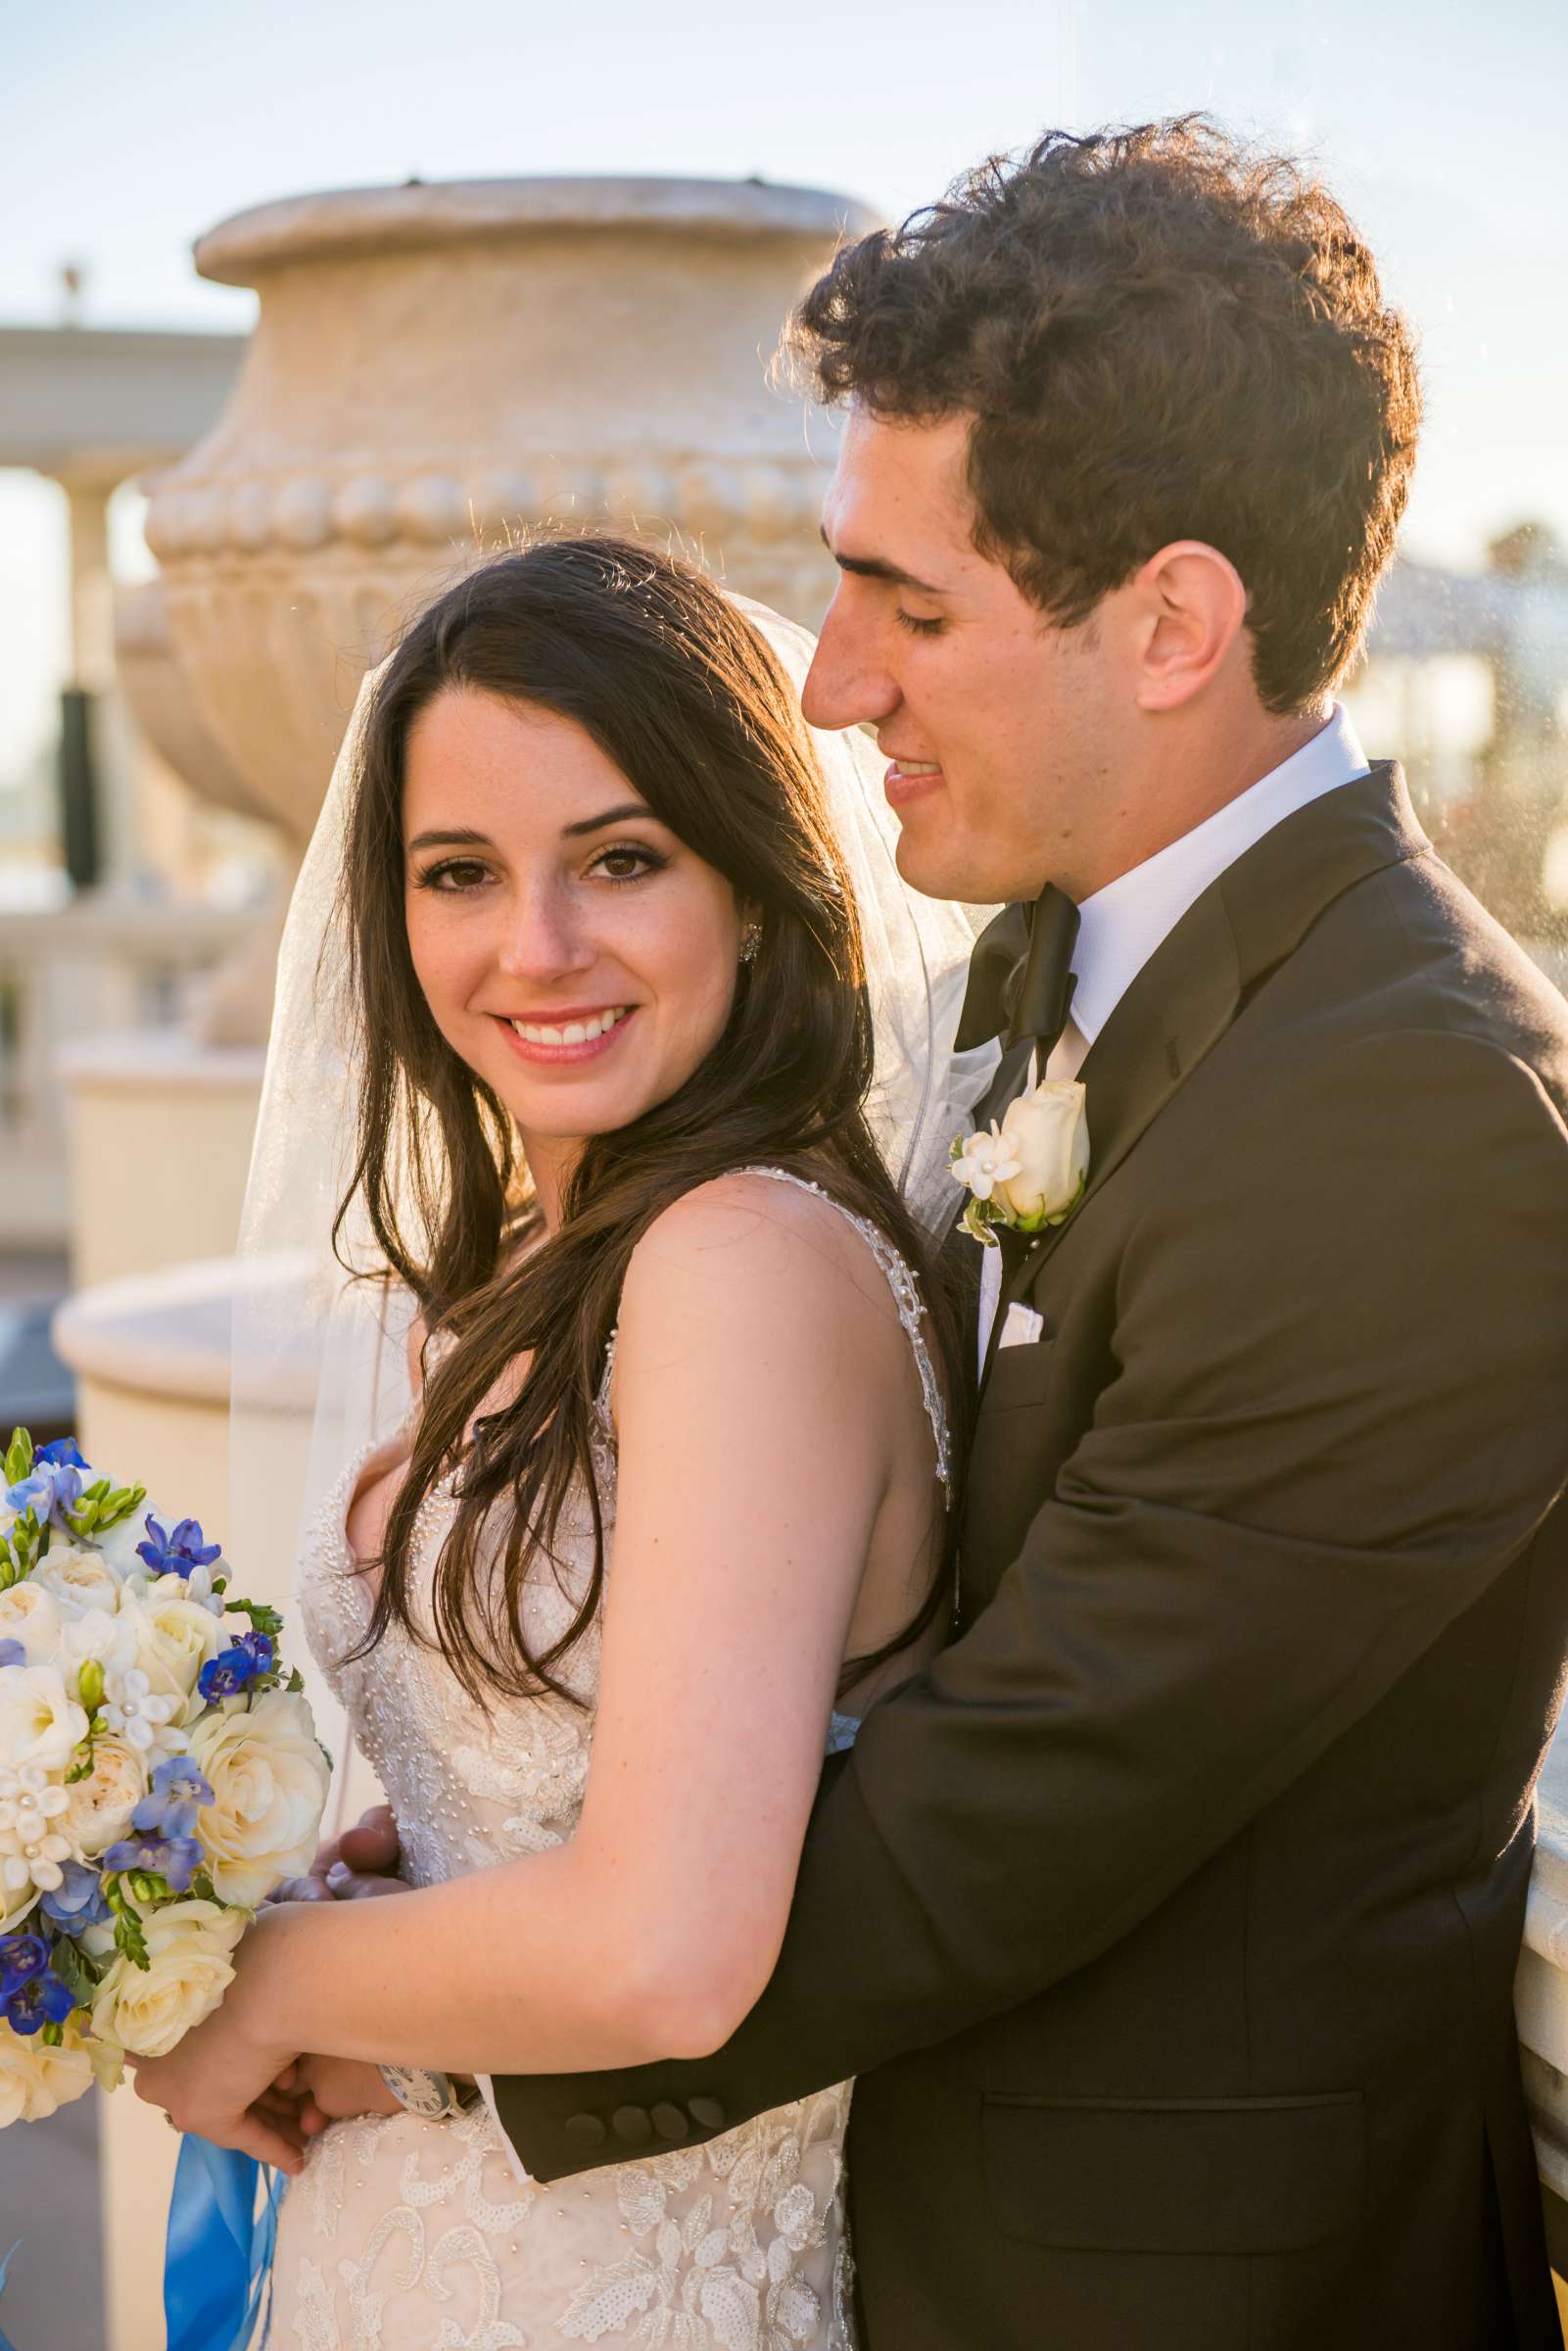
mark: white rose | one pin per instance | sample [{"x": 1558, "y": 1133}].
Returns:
[
  {"x": 174, "y": 1639},
  {"x": 36, "y": 2080},
  {"x": 268, "y": 1779},
  {"x": 40, "y": 1722},
  {"x": 148, "y": 2010},
  {"x": 78, "y": 1579},
  {"x": 100, "y": 1807},
  {"x": 1050, "y": 1138},
  {"x": 15, "y": 1904},
  {"x": 30, "y": 1615}
]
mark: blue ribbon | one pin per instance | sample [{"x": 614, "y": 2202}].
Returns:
[
  {"x": 6, "y": 2344},
  {"x": 217, "y": 2256}
]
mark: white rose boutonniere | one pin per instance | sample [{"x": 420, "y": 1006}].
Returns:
[{"x": 1031, "y": 1169}]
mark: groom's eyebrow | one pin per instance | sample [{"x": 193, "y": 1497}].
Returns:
[{"x": 877, "y": 568}]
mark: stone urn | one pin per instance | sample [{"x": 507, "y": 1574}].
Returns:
[{"x": 435, "y": 368}]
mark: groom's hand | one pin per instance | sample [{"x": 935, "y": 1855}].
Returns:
[{"x": 362, "y": 1862}]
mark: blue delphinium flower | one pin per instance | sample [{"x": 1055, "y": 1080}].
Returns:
[
  {"x": 44, "y": 1999},
  {"x": 176, "y": 1858},
  {"x": 233, "y": 1669},
  {"x": 12, "y": 1652},
  {"x": 49, "y": 1490},
  {"x": 168, "y": 1809},
  {"x": 22, "y": 1957},
  {"x": 61, "y": 1452},
  {"x": 78, "y": 1901},
  {"x": 178, "y": 1552}
]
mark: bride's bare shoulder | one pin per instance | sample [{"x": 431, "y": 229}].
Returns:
[{"x": 756, "y": 1232}]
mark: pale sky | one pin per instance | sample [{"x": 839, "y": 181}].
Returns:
[{"x": 124, "y": 133}]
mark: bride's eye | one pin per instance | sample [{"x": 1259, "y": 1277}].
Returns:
[
  {"x": 628, "y": 861},
  {"x": 453, "y": 874}
]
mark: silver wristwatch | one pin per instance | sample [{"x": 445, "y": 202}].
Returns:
[{"x": 427, "y": 2094}]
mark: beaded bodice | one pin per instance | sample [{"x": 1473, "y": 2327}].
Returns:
[{"x": 738, "y": 2242}]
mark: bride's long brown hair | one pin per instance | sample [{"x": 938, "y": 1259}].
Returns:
[{"x": 676, "y": 688}]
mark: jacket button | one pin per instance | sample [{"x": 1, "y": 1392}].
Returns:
[
  {"x": 670, "y": 2123},
  {"x": 707, "y": 2113},
  {"x": 632, "y": 2124},
  {"x": 585, "y": 2131}
]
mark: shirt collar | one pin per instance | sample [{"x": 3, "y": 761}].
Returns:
[{"x": 1123, "y": 925}]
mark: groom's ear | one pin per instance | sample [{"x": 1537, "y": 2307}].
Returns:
[{"x": 1187, "y": 609}]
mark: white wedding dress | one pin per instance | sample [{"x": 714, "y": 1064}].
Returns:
[{"x": 404, "y": 2234}]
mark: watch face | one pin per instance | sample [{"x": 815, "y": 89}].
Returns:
[{"x": 423, "y": 2092}]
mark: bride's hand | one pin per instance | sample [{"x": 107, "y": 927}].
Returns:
[
  {"x": 218, "y": 2081},
  {"x": 329, "y": 2089}
]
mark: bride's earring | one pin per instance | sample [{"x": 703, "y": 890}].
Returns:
[{"x": 750, "y": 941}]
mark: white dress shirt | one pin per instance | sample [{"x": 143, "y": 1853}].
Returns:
[{"x": 1120, "y": 926}]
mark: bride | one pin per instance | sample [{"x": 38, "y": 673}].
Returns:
[{"x": 669, "y": 1503}]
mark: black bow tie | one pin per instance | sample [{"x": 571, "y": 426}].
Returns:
[{"x": 1020, "y": 981}]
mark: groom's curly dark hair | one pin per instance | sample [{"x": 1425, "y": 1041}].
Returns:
[{"x": 1160, "y": 335}]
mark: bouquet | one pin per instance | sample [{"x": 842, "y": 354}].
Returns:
[{"x": 159, "y": 1774}]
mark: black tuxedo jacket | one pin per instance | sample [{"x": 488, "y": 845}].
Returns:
[{"x": 1169, "y": 1920}]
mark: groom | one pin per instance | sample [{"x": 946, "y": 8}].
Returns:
[{"x": 1169, "y": 1920}]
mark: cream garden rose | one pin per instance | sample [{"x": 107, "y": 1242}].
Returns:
[
  {"x": 76, "y": 1579},
  {"x": 35, "y": 2080},
  {"x": 268, "y": 1778},
  {"x": 174, "y": 1639},
  {"x": 189, "y": 1947},
  {"x": 1049, "y": 1134},
  {"x": 30, "y": 1614},
  {"x": 100, "y": 1806}
]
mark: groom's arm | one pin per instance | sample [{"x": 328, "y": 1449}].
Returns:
[{"x": 1342, "y": 1410}]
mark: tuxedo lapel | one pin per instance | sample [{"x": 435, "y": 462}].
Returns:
[
  {"x": 1136, "y": 1064},
  {"x": 1191, "y": 989}
]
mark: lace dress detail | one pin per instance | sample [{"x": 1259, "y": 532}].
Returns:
[{"x": 406, "y": 2234}]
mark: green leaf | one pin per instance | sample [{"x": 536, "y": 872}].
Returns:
[
  {"x": 84, "y": 1753},
  {"x": 18, "y": 1457},
  {"x": 128, "y": 1937},
  {"x": 263, "y": 1619},
  {"x": 294, "y": 1682},
  {"x": 72, "y": 1968}
]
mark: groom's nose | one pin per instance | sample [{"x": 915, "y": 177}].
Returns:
[{"x": 849, "y": 682}]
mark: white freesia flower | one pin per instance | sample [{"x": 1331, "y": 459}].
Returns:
[
  {"x": 199, "y": 1587},
  {"x": 100, "y": 1806},
  {"x": 189, "y": 1944},
  {"x": 116, "y": 1544},
  {"x": 1047, "y": 1132},
  {"x": 106, "y": 1640},
  {"x": 78, "y": 1578},
  {"x": 29, "y": 1613},
  {"x": 40, "y": 1722},
  {"x": 987, "y": 1159},
  {"x": 36, "y": 2080},
  {"x": 268, "y": 1778},
  {"x": 131, "y": 1708}
]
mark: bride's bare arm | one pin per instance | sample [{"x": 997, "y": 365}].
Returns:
[{"x": 761, "y": 1387}]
